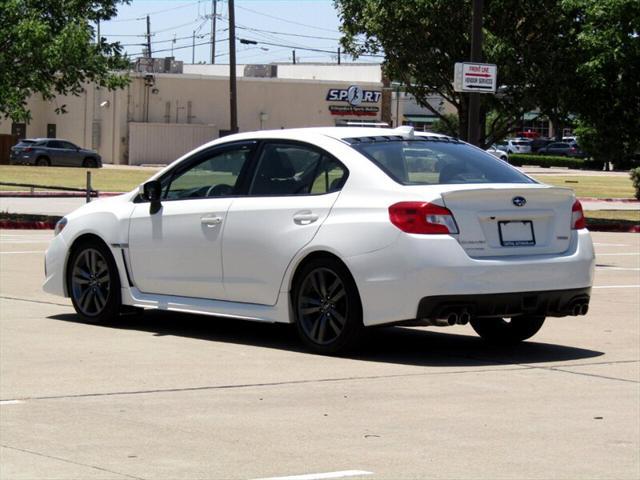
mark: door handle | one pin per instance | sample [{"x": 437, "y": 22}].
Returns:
[
  {"x": 211, "y": 221},
  {"x": 305, "y": 218}
]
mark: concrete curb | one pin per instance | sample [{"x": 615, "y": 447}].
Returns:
[{"x": 27, "y": 225}]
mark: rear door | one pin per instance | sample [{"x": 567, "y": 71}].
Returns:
[
  {"x": 291, "y": 194},
  {"x": 55, "y": 152}
]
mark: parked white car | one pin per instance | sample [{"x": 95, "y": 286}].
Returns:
[
  {"x": 496, "y": 152},
  {"x": 518, "y": 145},
  {"x": 333, "y": 229}
]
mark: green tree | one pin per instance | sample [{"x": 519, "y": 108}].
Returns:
[
  {"x": 421, "y": 40},
  {"x": 447, "y": 124},
  {"x": 49, "y": 47},
  {"x": 608, "y": 79}
]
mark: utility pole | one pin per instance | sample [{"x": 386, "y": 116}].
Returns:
[
  {"x": 214, "y": 14},
  {"x": 294, "y": 57},
  {"x": 338, "y": 55},
  {"x": 193, "y": 48},
  {"x": 148, "y": 37},
  {"x": 473, "y": 132},
  {"x": 233, "y": 93},
  {"x": 98, "y": 42}
]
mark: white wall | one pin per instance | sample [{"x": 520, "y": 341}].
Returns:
[{"x": 162, "y": 143}]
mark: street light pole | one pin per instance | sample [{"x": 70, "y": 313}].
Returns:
[
  {"x": 473, "y": 132},
  {"x": 233, "y": 93}
]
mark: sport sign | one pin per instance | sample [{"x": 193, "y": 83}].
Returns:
[{"x": 475, "y": 77}]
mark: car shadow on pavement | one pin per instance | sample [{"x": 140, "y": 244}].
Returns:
[{"x": 398, "y": 345}]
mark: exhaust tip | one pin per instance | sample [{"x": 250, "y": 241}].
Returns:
[
  {"x": 464, "y": 318},
  {"x": 452, "y": 318},
  {"x": 584, "y": 309},
  {"x": 577, "y": 308}
]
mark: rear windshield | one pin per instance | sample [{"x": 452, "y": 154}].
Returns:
[
  {"x": 433, "y": 162},
  {"x": 26, "y": 142},
  {"x": 522, "y": 142}
]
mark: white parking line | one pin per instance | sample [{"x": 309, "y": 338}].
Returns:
[
  {"x": 612, "y": 244},
  {"x": 632, "y": 269},
  {"x": 10, "y": 402},
  {"x": 617, "y": 286},
  {"x": 24, "y": 251},
  {"x": 615, "y": 254},
  {"x": 14, "y": 242},
  {"x": 318, "y": 476}
]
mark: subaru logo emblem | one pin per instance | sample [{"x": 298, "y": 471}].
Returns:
[{"x": 519, "y": 201}]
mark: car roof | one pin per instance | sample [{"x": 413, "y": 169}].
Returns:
[
  {"x": 339, "y": 133},
  {"x": 42, "y": 139}
]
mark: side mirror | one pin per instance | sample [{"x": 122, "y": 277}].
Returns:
[{"x": 151, "y": 192}]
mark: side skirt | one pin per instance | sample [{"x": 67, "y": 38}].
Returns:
[{"x": 278, "y": 313}]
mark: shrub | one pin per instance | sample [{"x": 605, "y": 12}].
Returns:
[
  {"x": 635, "y": 178},
  {"x": 519, "y": 159}
]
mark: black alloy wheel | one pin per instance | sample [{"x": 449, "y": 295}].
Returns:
[
  {"x": 505, "y": 331},
  {"x": 93, "y": 282},
  {"x": 43, "y": 162},
  {"x": 327, "y": 307},
  {"x": 90, "y": 163}
]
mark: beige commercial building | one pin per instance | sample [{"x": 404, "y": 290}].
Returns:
[{"x": 160, "y": 116}]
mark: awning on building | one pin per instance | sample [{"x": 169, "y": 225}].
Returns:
[{"x": 420, "y": 118}]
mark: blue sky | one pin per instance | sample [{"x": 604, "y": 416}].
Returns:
[{"x": 284, "y": 24}]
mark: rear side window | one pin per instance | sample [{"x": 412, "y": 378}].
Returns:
[
  {"x": 288, "y": 169},
  {"x": 433, "y": 162}
]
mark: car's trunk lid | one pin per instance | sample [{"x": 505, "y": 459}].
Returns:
[{"x": 504, "y": 220}]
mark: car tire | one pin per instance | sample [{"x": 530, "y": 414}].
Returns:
[
  {"x": 507, "y": 331},
  {"x": 94, "y": 283},
  {"x": 327, "y": 307},
  {"x": 43, "y": 162},
  {"x": 90, "y": 163}
]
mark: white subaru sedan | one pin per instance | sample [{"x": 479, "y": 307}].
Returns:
[{"x": 333, "y": 230}]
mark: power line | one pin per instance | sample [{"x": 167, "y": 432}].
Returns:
[
  {"x": 179, "y": 47},
  {"x": 287, "y": 34},
  {"x": 144, "y": 16},
  {"x": 286, "y": 20}
]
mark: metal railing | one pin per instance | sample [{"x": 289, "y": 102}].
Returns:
[{"x": 88, "y": 190}]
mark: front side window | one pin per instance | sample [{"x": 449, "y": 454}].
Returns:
[
  {"x": 214, "y": 176},
  {"x": 433, "y": 162},
  {"x": 288, "y": 169}
]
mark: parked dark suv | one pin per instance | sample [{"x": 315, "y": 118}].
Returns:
[
  {"x": 53, "y": 151},
  {"x": 562, "y": 149}
]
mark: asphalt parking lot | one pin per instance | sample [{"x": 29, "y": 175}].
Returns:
[{"x": 175, "y": 396}]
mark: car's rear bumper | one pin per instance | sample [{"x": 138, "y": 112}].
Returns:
[
  {"x": 553, "y": 303},
  {"x": 393, "y": 281}
]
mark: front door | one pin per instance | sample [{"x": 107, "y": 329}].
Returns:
[
  {"x": 291, "y": 194},
  {"x": 178, "y": 250}
]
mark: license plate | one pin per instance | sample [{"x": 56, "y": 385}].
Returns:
[{"x": 516, "y": 233}]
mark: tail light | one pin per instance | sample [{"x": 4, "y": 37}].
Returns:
[
  {"x": 422, "y": 217},
  {"x": 577, "y": 216},
  {"x": 28, "y": 149}
]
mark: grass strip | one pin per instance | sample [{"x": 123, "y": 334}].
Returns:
[{"x": 596, "y": 186}]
